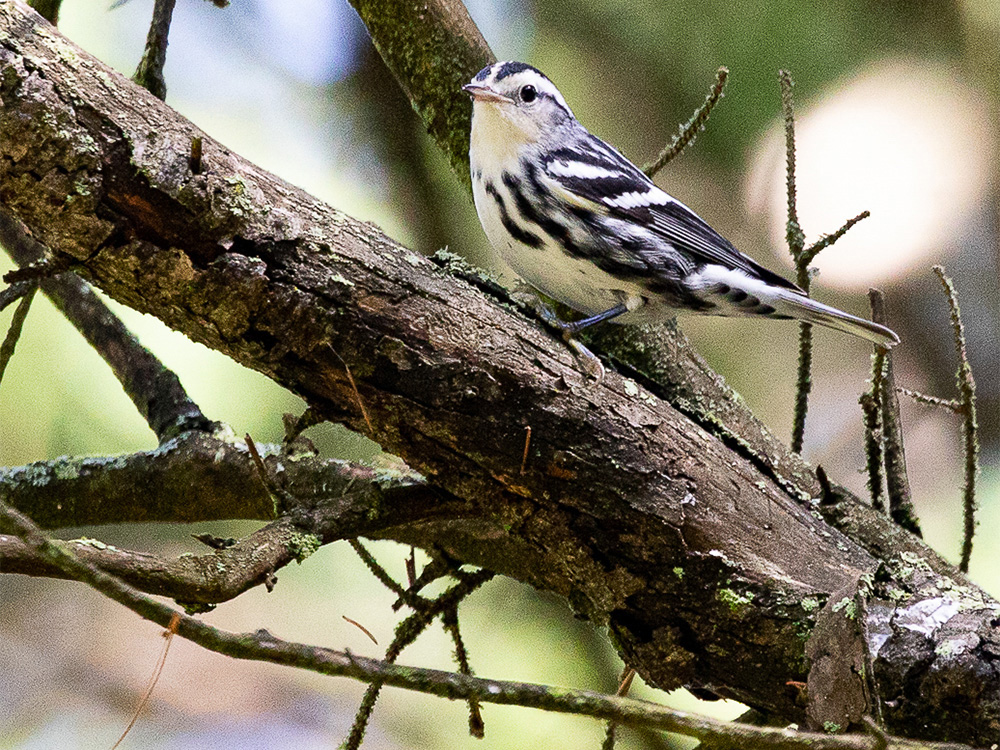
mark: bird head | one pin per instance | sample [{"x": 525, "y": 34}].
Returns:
[{"x": 515, "y": 96}]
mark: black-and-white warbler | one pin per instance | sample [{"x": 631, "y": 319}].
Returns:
[{"x": 584, "y": 225}]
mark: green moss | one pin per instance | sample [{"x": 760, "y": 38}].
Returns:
[
  {"x": 848, "y": 606},
  {"x": 303, "y": 545},
  {"x": 897, "y": 595},
  {"x": 810, "y": 604},
  {"x": 196, "y": 608},
  {"x": 88, "y": 542},
  {"x": 66, "y": 468},
  {"x": 831, "y": 727},
  {"x": 733, "y": 599},
  {"x": 679, "y": 572}
]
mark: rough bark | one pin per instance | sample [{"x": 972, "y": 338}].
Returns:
[{"x": 709, "y": 566}]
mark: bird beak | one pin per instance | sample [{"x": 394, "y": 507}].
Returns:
[{"x": 481, "y": 93}]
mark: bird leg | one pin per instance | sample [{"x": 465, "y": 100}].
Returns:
[{"x": 587, "y": 358}]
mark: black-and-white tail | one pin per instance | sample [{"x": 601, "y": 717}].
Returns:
[{"x": 733, "y": 292}]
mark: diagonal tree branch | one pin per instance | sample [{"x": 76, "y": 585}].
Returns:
[
  {"x": 688, "y": 545},
  {"x": 155, "y": 390}
]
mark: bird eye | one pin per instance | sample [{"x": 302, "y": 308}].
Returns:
[{"x": 528, "y": 94}]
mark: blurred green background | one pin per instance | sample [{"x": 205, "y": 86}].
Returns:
[{"x": 897, "y": 105}]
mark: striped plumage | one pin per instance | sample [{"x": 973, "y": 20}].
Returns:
[{"x": 584, "y": 225}]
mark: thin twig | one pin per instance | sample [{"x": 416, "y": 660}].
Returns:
[
  {"x": 154, "y": 678},
  {"x": 414, "y": 600},
  {"x": 280, "y": 497},
  {"x": 803, "y": 387},
  {"x": 262, "y": 646},
  {"x": 149, "y": 74},
  {"x": 20, "y": 244},
  {"x": 809, "y": 254},
  {"x": 896, "y": 481},
  {"x": 970, "y": 423},
  {"x": 438, "y": 567},
  {"x": 796, "y": 240},
  {"x": 689, "y": 130},
  {"x": 14, "y": 292},
  {"x": 527, "y": 446},
  {"x": 407, "y": 632},
  {"x": 357, "y": 393},
  {"x": 411, "y": 567},
  {"x": 362, "y": 628},
  {"x": 874, "y": 418},
  {"x": 449, "y": 619},
  {"x": 951, "y": 404},
  {"x": 624, "y": 685},
  {"x": 793, "y": 232},
  {"x": 16, "y": 326},
  {"x": 873, "y": 447},
  {"x": 802, "y": 257}
]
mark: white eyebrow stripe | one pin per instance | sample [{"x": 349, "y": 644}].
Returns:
[
  {"x": 543, "y": 84},
  {"x": 582, "y": 170},
  {"x": 654, "y": 197}
]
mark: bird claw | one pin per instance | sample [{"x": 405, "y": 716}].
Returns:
[{"x": 591, "y": 364}]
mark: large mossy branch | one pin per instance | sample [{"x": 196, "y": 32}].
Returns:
[
  {"x": 193, "y": 478},
  {"x": 693, "y": 550},
  {"x": 430, "y": 47}
]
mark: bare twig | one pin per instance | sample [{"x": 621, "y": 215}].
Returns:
[
  {"x": 951, "y": 404},
  {"x": 202, "y": 477},
  {"x": 414, "y": 600},
  {"x": 896, "y": 481},
  {"x": 873, "y": 444},
  {"x": 794, "y": 235},
  {"x": 14, "y": 292},
  {"x": 149, "y": 74},
  {"x": 803, "y": 387},
  {"x": 624, "y": 685},
  {"x": 16, "y": 326},
  {"x": 154, "y": 678},
  {"x": 796, "y": 240},
  {"x": 970, "y": 423},
  {"x": 407, "y": 632},
  {"x": 809, "y": 254},
  {"x": 411, "y": 567},
  {"x": 210, "y": 578},
  {"x": 362, "y": 628},
  {"x": 354, "y": 387},
  {"x": 802, "y": 256},
  {"x": 449, "y": 619},
  {"x": 689, "y": 130},
  {"x": 438, "y": 567}
]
